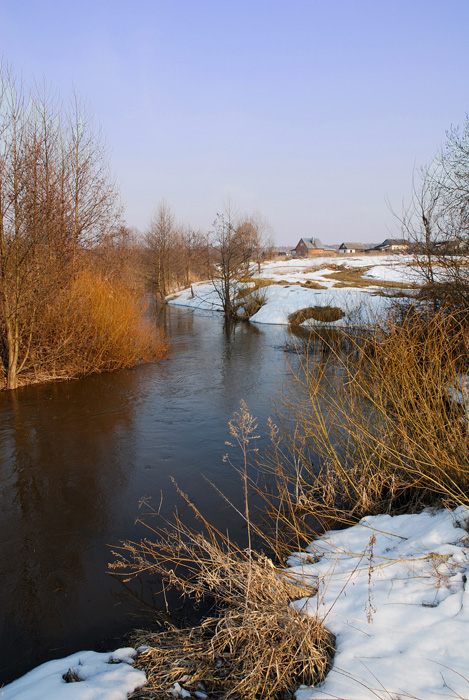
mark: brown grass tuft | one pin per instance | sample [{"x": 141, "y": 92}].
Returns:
[
  {"x": 311, "y": 284},
  {"x": 324, "y": 314},
  {"x": 251, "y": 304},
  {"x": 71, "y": 677},
  {"x": 258, "y": 646}
]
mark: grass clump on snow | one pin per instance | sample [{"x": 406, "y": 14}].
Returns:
[
  {"x": 257, "y": 646},
  {"x": 323, "y": 314}
]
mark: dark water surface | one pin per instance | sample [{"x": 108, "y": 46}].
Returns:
[{"x": 76, "y": 458}]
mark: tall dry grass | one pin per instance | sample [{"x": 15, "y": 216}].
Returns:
[
  {"x": 253, "y": 645},
  {"x": 370, "y": 430}
]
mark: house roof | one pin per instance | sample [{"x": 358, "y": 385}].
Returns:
[
  {"x": 352, "y": 245},
  {"x": 312, "y": 243},
  {"x": 393, "y": 241}
]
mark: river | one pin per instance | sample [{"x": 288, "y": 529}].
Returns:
[{"x": 77, "y": 457}]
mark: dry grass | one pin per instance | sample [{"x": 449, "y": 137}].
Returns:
[
  {"x": 369, "y": 431},
  {"x": 353, "y": 277},
  {"x": 311, "y": 284},
  {"x": 251, "y": 304},
  {"x": 252, "y": 285},
  {"x": 256, "y": 645},
  {"x": 323, "y": 314}
]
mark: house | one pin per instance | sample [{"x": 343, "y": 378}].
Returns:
[
  {"x": 393, "y": 245},
  {"x": 451, "y": 246},
  {"x": 307, "y": 247},
  {"x": 346, "y": 248},
  {"x": 279, "y": 253}
]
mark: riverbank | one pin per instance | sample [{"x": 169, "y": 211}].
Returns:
[{"x": 393, "y": 591}]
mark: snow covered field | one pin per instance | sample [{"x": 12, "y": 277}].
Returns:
[
  {"x": 396, "y": 268},
  {"x": 285, "y": 295}
]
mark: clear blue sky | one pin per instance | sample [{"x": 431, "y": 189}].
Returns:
[{"x": 313, "y": 112}]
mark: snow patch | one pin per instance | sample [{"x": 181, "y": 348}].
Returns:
[
  {"x": 109, "y": 676},
  {"x": 393, "y": 591}
]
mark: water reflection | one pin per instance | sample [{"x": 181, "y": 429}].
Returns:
[
  {"x": 69, "y": 449},
  {"x": 76, "y": 458}
]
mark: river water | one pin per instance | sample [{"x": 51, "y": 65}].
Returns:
[{"x": 77, "y": 457}]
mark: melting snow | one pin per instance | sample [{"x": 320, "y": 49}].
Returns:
[
  {"x": 394, "y": 592},
  {"x": 102, "y": 677}
]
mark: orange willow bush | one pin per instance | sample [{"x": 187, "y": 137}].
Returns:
[
  {"x": 110, "y": 328},
  {"x": 94, "y": 325}
]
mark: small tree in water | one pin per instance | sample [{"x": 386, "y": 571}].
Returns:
[{"x": 233, "y": 250}]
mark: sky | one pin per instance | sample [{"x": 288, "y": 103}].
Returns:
[{"x": 315, "y": 113}]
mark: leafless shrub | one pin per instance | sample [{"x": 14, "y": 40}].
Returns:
[{"x": 94, "y": 325}]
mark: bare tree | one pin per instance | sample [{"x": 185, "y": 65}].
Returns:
[
  {"x": 233, "y": 253},
  {"x": 17, "y": 239},
  {"x": 437, "y": 222},
  {"x": 55, "y": 199},
  {"x": 93, "y": 195},
  {"x": 258, "y": 233},
  {"x": 161, "y": 242},
  {"x": 175, "y": 255},
  {"x": 193, "y": 255}
]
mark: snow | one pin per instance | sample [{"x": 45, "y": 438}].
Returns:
[
  {"x": 458, "y": 390},
  {"x": 393, "y": 592},
  {"x": 360, "y": 305},
  {"x": 299, "y": 269},
  {"x": 403, "y": 273},
  {"x": 200, "y": 295},
  {"x": 108, "y": 676}
]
